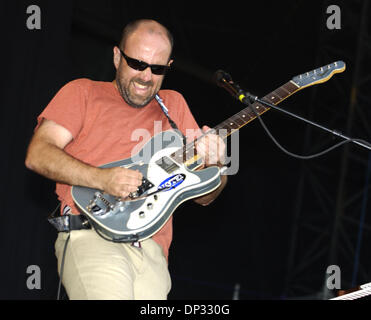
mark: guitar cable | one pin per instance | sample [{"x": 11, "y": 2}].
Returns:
[
  {"x": 51, "y": 217},
  {"x": 302, "y": 157}
]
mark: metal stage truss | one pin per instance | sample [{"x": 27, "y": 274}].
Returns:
[{"x": 332, "y": 225}]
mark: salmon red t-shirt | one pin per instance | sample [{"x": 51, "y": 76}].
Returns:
[{"x": 102, "y": 124}]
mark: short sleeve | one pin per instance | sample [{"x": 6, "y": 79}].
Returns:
[{"x": 68, "y": 107}]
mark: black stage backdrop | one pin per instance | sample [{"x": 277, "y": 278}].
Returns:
[{"x": 239, "y": 246}]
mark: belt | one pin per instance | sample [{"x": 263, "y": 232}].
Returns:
[{"x": 69, "y": 222}]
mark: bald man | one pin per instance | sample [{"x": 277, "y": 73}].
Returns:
[{"x": 90, "y": 123}]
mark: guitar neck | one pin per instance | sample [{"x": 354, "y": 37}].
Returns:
[
  {"x": 246, "y": 115},
  {"x": 188, "y": 154}
]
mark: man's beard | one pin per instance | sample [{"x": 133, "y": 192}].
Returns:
[{"x": 125, "y": 93}]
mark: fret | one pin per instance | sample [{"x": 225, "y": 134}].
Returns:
[
  {"x": 231, "y": 124},
  {"x": 224, "y": 133},
  {"x": 184, "y": 154},
  {"x": 191, "y": 155},
  {"x": 251, "y": 113},
  {"x": 286, "y": 90},
  {"x": 282, "y": 93},
  {"x": 260, "y": 108},
  {"x": 290, "y": 87},
  {"x": 177, "y": 156},
  {"x": 272, "y": 98},
  {"x": 275, "y": 93},
  {"x": 219, "y": 126},
  {"x": 244, "y": 115},
  {"x": 190, "y": 152},
  {"x": 238, "y": 120},
  {"x": 223, "y": 129},
  {"x": 266, "y": 99}
]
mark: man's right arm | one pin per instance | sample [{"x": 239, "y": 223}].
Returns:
[{"x": 46, "y": 156}]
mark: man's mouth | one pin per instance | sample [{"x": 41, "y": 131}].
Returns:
[{"x": 141, "y": 88}]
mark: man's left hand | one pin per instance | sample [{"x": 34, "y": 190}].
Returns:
[{"x": 211, "y": 147}]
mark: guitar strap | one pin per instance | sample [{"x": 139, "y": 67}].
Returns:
[
  {"x": 172, "y": 123},
  {"x": 67, "y": 222}
]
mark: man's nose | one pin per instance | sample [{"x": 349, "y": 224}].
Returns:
[{"x": 146, "y": 74}]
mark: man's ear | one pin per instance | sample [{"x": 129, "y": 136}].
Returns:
[
  {"x": 116, "y": 57},
  {"x": 170, "y": 62}
]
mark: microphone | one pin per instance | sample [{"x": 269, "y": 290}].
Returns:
[{"x": 224, "y": 80}]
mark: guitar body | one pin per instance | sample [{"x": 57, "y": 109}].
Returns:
[{"x": 138, "y": 218}]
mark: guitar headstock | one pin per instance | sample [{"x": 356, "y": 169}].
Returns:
[{"x": 319, "y": 75}]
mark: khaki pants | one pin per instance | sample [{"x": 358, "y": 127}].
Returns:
[{"x": 98, "y": 269}]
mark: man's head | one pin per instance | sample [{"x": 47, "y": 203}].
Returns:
[{"x": 149, "y": 42}]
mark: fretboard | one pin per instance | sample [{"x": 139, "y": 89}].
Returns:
[
  {"x": 246, "y": 115},
  {"x": 188, "y": 153}
]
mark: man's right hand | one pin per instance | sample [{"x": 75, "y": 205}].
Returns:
[{"x": 119, "y": 181}]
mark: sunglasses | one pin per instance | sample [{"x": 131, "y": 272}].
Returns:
[{"x": 139, "y": 65}]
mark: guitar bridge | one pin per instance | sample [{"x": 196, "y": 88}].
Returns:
[{"x": 99, "y": 206}]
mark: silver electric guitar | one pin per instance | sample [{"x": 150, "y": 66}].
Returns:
[{"x": 170, "y": 174}]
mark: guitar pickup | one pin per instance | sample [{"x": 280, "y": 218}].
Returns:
[
  {"x": 146, "y": 185},
  {"x": 166, "y": 164}
]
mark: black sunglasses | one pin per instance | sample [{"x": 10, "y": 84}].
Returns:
[{"x": 139, "y": 65}]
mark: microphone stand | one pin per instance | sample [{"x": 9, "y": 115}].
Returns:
[{"x": 249, "y": 98}]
